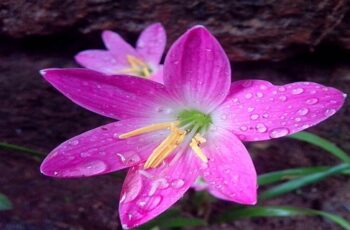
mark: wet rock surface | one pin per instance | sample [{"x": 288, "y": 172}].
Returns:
[{"x": 248, "y": 30}]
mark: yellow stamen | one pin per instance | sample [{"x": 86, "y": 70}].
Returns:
[
  {"x": 199, "y": 138},
  {"x": 174, "y": 139},
  {"x": 145, "y": 71},
  {"x": 138, "y": 67},
  {"x": 171, "y": 142},
  {"x": 194, "y": 145},
  {"x": 147, "y": 129},
  {"x": 159, "y": 154}
]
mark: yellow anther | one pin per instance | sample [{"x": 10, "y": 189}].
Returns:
[
  {"x": 199, "y": 138},
  {"x": 174, "y": 139},
  {"x": 194, "y": 145},
  {"x": 147, "y": 129},
  {"x": 145, "y": 71},
  {"x": 138, "y": 67}
]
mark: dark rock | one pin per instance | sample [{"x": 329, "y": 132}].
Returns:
[{"x": 248, "y": 29}]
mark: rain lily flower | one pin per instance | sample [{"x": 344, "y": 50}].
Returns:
[
  {"x": 122, "y": 58},
  {"x": 191, "y": 126}
]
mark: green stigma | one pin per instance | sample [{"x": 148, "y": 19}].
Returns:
[{"x": 194, "y": 119}]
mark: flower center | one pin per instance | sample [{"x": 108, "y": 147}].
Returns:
[
  {"x": 188, "y": 129},
  {"x": 137, "y": 67}
]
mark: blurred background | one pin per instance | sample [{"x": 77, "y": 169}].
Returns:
[{"x": 279, "y": 41}]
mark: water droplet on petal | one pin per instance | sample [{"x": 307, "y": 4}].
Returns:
[
  {"x": 283, "y": 98},
  {"x": 261, "y": 128},
  {"x": 329, "y": 112},
  {"x": 279, "y": 132},
  {"x": 135, "y": 158},
  {"x": 265, "y": 115},
  {"x": 259, "y": 94},
  {"x": 254, "y": 116},
  {"x": 311, "y": 101},
  {"x": 303, "y": 111},
  {"x": 163, "y": 183},
  {"x": 178, "y": 183},
  {"x": 243, "y": 128},
  {"x": 85, "y": 154},
  {"x": 149, "y": 202},
  {"x": 281, "y": 89},
  {"x": 74, "y": 142},
  {"x": 235, "y": 178},
  {"x": 250, "y": 109},
  {"x": 92, "y": 168},
  {"x": 248, "y": 95},
  {"x": 263, "y": 87},
  {"x": 297, "y": 91},
  {"x": 235, "y": 100},
  {"x": 122, "y": 157},
  {"x": 122, "y": 198},
  {"x": 297, "y": 119}
]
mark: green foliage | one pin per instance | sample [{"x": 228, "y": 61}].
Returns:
[
  {"x": 322, "y": 143},
  {"x": 5, "y": 203},
  {"x": 301, "y": 181},
  {"x": 280, "y": 211}
]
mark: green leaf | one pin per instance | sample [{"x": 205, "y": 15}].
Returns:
[
  {"x": 21, "y": 149},
  {"x": 280, "y": 211},
  {"x": 301, "y": 181},
  {"x": 272, "y": 177},
  {"x": 322, "y": 143},
  {"x": 5, "y": 203},
  {"x": 172, "y": 219}
]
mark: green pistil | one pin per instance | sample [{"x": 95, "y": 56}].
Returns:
[{"x": 194, "y": 119}]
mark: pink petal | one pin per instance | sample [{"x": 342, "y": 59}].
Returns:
[
  {"x": 99, "y": 60},
  {"x": 201, "y": 185},
  {"x": 257, "y": 110},
  {"x": 118, "y": 47},
  {"x": 147, "y": 193},
  {"x": 230, "y": 173},
  {"x": 151, "y": 43},
  {"x": 100, "y": 151},
  {"x": 157, "y": 75},
  {"x": 197, "y": 71},
  {"x": 114, "y": 96}
]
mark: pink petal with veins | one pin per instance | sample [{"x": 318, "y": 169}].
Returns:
[
  {"x": 197, "y": 71},
  {"x": 114, "y": 96},
  {"x": 148, "y": 193},
  {"x": 151, "y": 43},
  {"x": 257, "y": 110},
  {"x": 99, "y": 60},
  {"x": 230, "y": 173},
  {"x": 118, "y": 48},
  {"x": 100, "y": 151}
]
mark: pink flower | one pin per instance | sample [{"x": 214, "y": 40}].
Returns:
[
  {"x": 191, "y": 126},
  {"x": 121, "y": 58}
]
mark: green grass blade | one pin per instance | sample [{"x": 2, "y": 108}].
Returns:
[
  {"x": 301, "y": 181},
  {"x": 280, "y": 211},
  {"x": 21, "y": 149},
  {"x": 322, "y": 143},
  {"x": 272, "y": 177},
  {"x": 5, "y": 203}
]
